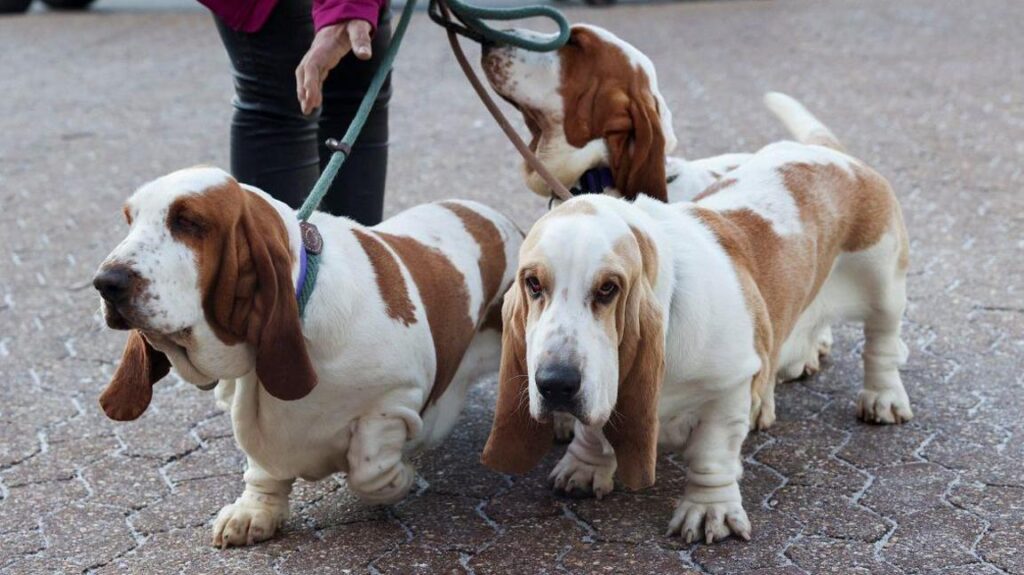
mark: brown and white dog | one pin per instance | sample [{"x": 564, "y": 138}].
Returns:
[
  {"x": 594, "y": 103},
  {"x": 402, "y": 318},
  {"x": 655, "y": 323}
]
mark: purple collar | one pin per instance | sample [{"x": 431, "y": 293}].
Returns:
[
  {"x": 594, "y": 181},
  {"x": 301, "y": 283}
]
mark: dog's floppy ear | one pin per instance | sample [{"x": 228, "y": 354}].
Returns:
[
  {"x": 129, "y": 392},
  {"x": 282, "y": 362},
  {"x": 633, "y": 427},
  {"x": 636, "y": 144},
  {"x": 249, "y": 292},
  {"x": 606, "y": 95},
  {"x": 517, "y": 441}
]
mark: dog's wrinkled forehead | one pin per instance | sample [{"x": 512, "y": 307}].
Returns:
[
  {"x": 153, "y": 199},
  {"x": 579, "y": 239}
]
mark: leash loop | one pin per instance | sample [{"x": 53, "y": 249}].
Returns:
[{"x": 471, "y": 24}]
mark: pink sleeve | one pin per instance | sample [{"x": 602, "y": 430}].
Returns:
[{"x": 327, "y": 12}]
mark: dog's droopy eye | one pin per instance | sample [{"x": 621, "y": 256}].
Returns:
[
  {"x": 606, "y": 292},
  {"x": 186, "y": 224},
  {"x": 534, "y": 287}
]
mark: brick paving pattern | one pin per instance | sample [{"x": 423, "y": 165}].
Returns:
[{"x": 930, "y": 92}]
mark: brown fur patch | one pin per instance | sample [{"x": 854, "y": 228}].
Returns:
[
  {"x": 390, "y": 282},
  {"x": 573, "y": 208},
  {"x": 245, "y": 261},
  {"x": 443, "y": 290},
  {"x": 492, "y": 250},
  {"x": 648, "y": 254},
  {"x": 605, "y": 96}
]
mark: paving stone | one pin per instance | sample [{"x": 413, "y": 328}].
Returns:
[
  {"x": 24, "y": 506},
  {"x": 345, "y": 548},
  {"x": 532, "y": 546},
  {"x": 936, "y": 537},
  {"x": 60, "y": 461},
  {"x": 20, "y": 543},
  {"x": 445, "y": 522},
  {"x": 830, "y": 514},
  {"x": 837, "y": 556},
  {"x": 191, "y": 504},
  {"x": 125, "y": 482},
  {"x": 1002, "y": 506},
  {"x": 85, "y": 536},
  {"x": 1002, "y": 548},
  {"x": 221, "y": 457},
  {"x": 413, "y": 558},
  {"x": 593, "y": 558},
  {"x": 629, "y": 518},
  {"x": 907, "y": 489}
]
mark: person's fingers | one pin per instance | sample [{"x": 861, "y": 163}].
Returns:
[
  {"x": 311, "y": 84},
  {"x": 359, "y": 36},
  {"x": 300, "y": 85}
]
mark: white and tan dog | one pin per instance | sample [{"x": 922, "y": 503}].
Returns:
[
  {"x": 402, "y": 318},
  {"x": 656, "y": 323},
  {"x": 595, "y": 103}
]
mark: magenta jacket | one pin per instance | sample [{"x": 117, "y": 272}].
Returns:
[{"x": 249, "y": 15}]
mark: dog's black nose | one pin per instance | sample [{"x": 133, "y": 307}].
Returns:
[
  {"x": 114, "y": 283},
  {"x": 558, "y": 384}
]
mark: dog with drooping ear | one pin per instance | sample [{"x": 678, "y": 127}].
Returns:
[
  {"x": 598, "y": 120},
  {"x": 402, "y": 317},
  {"x": 665, "y": 324}
]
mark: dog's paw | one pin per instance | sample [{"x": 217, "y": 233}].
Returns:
[
  {"x": 384, "y": 488},
  {"x": 825, "y": 341},
  {"x": 563, "y": 424},
  {"x": 711, "y": 521},
  {"x": 888, "y": 406},
  {"x": 577, "y": 478},
  {"x": 248, "y": 521}
]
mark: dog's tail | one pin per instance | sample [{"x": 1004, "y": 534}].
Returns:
[{"x": 802, "y": 124}]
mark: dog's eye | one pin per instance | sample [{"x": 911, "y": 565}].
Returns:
[
  {"x": 534, "y": 287},
  {"x": 185, "y": 224},
  {"x": 607, "y": 292}
]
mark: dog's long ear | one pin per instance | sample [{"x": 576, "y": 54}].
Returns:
[
  {"x": 128, "y": 394},
  {"x": 517, "y": 441},
  {"x": 282, "y": 362},
  {"x": 633, "y": 427},
  {"x": 606, "y": 95},
  {"x": 249, "y": 296},
  {"x": 636, "y": 144}
]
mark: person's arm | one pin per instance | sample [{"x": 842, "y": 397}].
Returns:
[{"x": 341, "y": 26}]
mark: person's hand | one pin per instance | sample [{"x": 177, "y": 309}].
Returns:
[{"x": 330, "y": 45}]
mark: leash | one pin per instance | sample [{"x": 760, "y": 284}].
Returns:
[
  {"x": 453, "y": 30},
  {"x": 470, "y": 24}
]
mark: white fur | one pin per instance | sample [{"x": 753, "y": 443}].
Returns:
[
  {"x": 710, "y": 356},
  {"x": 374, "y": 372}
]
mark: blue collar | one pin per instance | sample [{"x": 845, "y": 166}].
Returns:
[
  {"x": 594, "y": 181},
  {"x": 309, "y": 264}
]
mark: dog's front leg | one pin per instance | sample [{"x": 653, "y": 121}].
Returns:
[
  {"x": 588, "y": 465},
  {"x": 257, "y": 514},
  {"x": 711, "y": 504},
  {"x": 377, "y": 470}
]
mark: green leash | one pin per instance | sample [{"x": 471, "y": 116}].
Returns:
[{"x": 471, "y": 26}]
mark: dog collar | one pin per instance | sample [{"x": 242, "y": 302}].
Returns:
[
  {"x": 593, "y": 181},
  {"x": 309, "y": 264}
]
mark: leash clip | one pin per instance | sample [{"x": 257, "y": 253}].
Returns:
[{"x": 335, "y": 145}]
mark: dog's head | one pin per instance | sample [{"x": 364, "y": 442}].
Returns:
[
  {"x": 204, "y": 279},
  {"x": 583, "y": 334},
  {"x": 595, "y": 101}
]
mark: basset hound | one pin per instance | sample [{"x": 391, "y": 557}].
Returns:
[
  {"x": 597, "y": 118},
  {"x": 403, "y": 316},
  {"x": 663, "y": 324}
]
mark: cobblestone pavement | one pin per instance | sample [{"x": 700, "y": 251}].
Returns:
[{"x": 929, "y": 92}]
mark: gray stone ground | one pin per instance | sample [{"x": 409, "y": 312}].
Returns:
[{"x": 929, "y": 92}]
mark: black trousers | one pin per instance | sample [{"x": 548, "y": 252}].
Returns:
[{"x": 274, "y": 147}]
